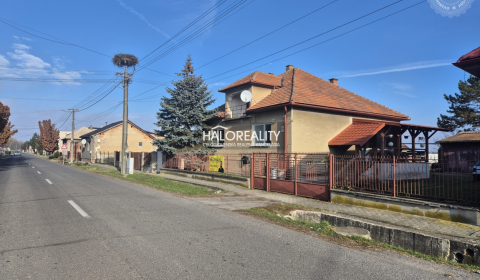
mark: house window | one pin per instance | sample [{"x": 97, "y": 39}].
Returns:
[
  {"x": 140, "y": 144},
  {"x": 262, "y": 132},
  {"x": 220, "y": 139}
]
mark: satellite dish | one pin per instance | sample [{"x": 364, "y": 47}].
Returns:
[
  {"x": 246, "y": 96},
  {"x": 84, "y": 141}
]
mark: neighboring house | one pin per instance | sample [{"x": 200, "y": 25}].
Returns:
[
  {"x": 308, "y": 114},
  {"x": 67, "y": 139},
  {"x": 464, "y": 146},
  {"x": 470, "y": 62},
  {"x": 62, "y": 135},
  {"x": 108, "y": 139}
]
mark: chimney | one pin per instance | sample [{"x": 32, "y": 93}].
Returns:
[
  {"x": 289, "y": 67},
  {"x": 91, "y": 127},
  {"x": 334, "y": 81}
]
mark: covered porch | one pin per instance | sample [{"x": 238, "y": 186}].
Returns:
[{"x": 386, "y": 139}]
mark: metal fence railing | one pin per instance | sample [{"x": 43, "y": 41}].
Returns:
[
  {"x": 229, "y": 164},
  {"x": 444, "y": 180}
]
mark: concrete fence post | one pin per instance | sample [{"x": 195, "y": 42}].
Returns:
[{"x": 142, "y": 161}]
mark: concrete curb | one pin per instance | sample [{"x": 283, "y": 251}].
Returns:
[{"x": 437, "y": 246}]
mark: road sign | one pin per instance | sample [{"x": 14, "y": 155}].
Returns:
[{"x": 64, "y": 147}]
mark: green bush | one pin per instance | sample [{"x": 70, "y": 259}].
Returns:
[{"x": 56, "y": 154}]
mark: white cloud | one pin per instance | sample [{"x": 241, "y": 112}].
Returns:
[
  {"x": 398, "y": 68},
  {"x": 398, "y": 88},
  {"x": 25, "y": 59},
  {"x": 4, "y": 61},
  {"x": 22, "y": 38},
  {"x": 143, "y": 18},
  {"x": 217, "y": 84},
  {"x": 27, "y": 65}
]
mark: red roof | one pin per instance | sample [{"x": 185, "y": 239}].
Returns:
[
  {"x": 303, "y": 88},
  {"x": 256, "y": 77},
  {"x": 470, "y": 62},
  {"x": 358, "y": 133},
  {"x": 471, "y": 55}
]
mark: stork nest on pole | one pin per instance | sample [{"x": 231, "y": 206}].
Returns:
[{"x": 123, "y": 59}]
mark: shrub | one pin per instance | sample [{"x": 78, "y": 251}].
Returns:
[{"x": 56, "y": 154}]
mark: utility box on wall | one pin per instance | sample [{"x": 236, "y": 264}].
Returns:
[{"x": 129, "y": 165}]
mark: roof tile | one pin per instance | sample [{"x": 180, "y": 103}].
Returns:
[{"x": 357, "y": 133}]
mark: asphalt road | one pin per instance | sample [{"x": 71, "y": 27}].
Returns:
[{"x": 136, "y": 232}]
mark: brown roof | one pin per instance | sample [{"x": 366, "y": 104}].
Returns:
[
  {"x": 358, "y": 133},
  {"x": 303, "y": 88},
  {"x": 470, "y": 62},
  {"x": 471, "y": 55},
  {"x": 256, "y": 77},
  {"x": 471, "y": 136}
]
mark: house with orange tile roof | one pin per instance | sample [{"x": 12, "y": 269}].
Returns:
[{"x": 297, "y": 112}]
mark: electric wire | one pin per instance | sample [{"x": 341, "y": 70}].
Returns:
[
  {"x": 197, "y": 32},
  {"x": 309, "y": 39},
  {"x": 211, "y": 9},
  {"x": 268, "y": 34}
]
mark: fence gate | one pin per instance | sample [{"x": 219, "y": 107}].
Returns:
[
  {"x": 305, "y": 175},
  {"x": 137, "y": 160}
]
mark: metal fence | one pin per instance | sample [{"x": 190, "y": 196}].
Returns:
[
  {"x": 229, "y": 164},
  {"x": 105, "y": 157},
  {"x": 449, "y": 181},
  {"x": 293, "y": 173}
]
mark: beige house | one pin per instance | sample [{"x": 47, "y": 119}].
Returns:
[
  {"x": 299, "y": 112},
  {"x": 66, "y": 138},
  {"x": 108, "y": 139}
]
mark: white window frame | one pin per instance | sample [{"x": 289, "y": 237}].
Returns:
[
  {"x": 266, "y": 142},
  {"x": 220, "y": 143}
]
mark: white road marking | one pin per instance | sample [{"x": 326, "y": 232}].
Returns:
[
  {"x": 50, "y": 182},
  {"x": 33, "y": 166},
  {"x": 80, "y": 210},
  {"x": 39, "y": 172}
]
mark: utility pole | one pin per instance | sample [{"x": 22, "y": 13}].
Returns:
[
  {"x": 72, "y": 136},
  {"x": 125, "y": 61},
  {"x": 125, "y": 121}
]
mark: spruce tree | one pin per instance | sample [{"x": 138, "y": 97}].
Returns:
[
  {"x": 182, "y": 115},
  {"x": 465, "y": 107}
]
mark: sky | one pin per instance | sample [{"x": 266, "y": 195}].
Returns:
[{"x": 56, "y": 55}]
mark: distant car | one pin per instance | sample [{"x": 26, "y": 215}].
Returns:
[
  {"x": 476, "y": 172},
  {"x": 17, "y": 153}
]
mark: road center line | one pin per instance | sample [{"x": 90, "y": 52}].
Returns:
[
  {"x": 50, "y": 182},
  {"x": 39, "y": 172},
  {"x": 80, "y": 210}
]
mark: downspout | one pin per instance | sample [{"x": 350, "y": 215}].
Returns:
[{"x": 285, "y": 130}]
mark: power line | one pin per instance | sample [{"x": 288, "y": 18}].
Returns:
[
  {"x": 218, "y": 4},
  {"x": 335, "y": 37},
  {"x": 268, "y": 34},
  {"x": 100, "y": 98},
  {"x": 200, "y": 30},
  {"x": 340, "y": 35},
  {"x": 309, "y": 39}
]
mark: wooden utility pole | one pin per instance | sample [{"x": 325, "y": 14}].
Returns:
[
  {"x": 72, "y": 143},
  {"x": 73, "y": 131}
]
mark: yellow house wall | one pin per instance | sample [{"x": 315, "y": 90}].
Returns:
[
  {"x": 275, "y": 118},
  {"x": 312, "y": 130},
  {"x": 259, "y": 93},
  {"x": 111, "y": 140}
]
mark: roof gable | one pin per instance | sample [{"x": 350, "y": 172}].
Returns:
[
  {"x": 112, "y": 125},
  {"x": 256, "y": 77}
]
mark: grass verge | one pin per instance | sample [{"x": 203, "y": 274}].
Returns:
[
  {"x": 275, "y": 214},
  {"x": 156, "y": 182}
]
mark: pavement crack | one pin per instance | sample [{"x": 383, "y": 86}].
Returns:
[{"x": 46, "y": 245}]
